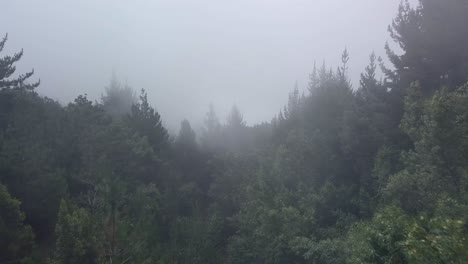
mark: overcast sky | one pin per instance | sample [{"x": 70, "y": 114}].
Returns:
[{"x": 187, "y": 54}]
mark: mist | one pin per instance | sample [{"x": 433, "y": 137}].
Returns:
[
  {"x": 188, "y": 54},
  {"x": 209, "y": 132}
]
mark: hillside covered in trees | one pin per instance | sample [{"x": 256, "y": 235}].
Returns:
[{"x": 370, "y": 174}]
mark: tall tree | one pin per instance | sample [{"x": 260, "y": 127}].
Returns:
[
  {"x": 118, "y": 99},
  {"x": 368, "y": 78},
  {"x": 342, "y": 71},
  {"x": 293, "y": 107},
  {"x": 7, "y": 69},
  {"x": 434, "y": 40},
  {"x": 211, "y": 122},
  {"x": 147, "y": 122},
  {"x": 235, "y": 119},
  {"x": 211, "y": 133},
  {"x": 186, "y": 137}
]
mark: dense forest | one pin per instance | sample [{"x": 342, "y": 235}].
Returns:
[{"x": 369, "y": 174}]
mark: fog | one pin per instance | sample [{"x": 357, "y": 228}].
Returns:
[{"x": 186, "y": 54}]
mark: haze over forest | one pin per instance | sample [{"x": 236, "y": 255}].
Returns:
[
  {"x": 193, "y": 52},
  {"x": 364, "y": 161}
]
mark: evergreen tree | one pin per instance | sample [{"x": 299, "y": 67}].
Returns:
[
  {"x": 235, "y": 120},
  {"x": 211, "y": 122},
  {"x": 187, "y": 137},
  {"x": 147, "y": 122},
  {"x": 313, "y": 79},
  {"x": 118, "y": 99},
  {"x": 235, "y": 132},
  {"x": 368, "y": 80},
  {"x": 7, "y": 69},
  {"x": 342, "y": 71},
  {"x": 211, "y": 133},
  {"x": 293, "y": 108},
  {"x": 434, "y": 40},
  {"x": 372, "y": 175}
]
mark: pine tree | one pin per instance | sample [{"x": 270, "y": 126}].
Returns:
[
  {"x": 187, "y": 137},
  {"x": 211, "y": 120},
  {"x": 211, "y": 133},
  {"x": 368, "y": 78},
  {"x": 235, "y": 119},
  {"x": 293, "y": 107},
  {"x": 434, "y": 40},
  {"x": 313, "y": 79},
  {"x": 118, "y": 99},
  {"x": 147, "y": 122},
  {"x": 343, "y": 70},
  {"x": 7, "y": 69}
]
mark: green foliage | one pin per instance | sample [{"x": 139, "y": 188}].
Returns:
[
  {"x": 77, "y": 237},
  {"x": 16, "y": 238},
  {"x": 376, "y": 174},
  {"x": 32, "y": 157},
  {"x": 437, "y": 164},
  {"x": 395, "y": 237},
  {"x": 147, "y": 122},
  {"x": 440, "y": 237},
  {"x": 7, "y": 69},
  {"x": 379, "y": 240},
  {"x": 272, "y": 231},
  {"x": 433, "y": 55},
  {"x": 437, "y": 240},
  {"x": 195, "y": 240}
]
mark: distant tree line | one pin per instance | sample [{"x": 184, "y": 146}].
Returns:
[{"x": 375, "y": 174}]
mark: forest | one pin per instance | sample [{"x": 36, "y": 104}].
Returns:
[{"x": 370, "y": 174}]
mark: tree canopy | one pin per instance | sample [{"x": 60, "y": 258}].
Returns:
[{"x": 376, "y": 173}]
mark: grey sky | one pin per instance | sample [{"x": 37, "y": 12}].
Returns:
[{"x": 187, "y": 54}]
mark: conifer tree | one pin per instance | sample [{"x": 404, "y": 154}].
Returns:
[
  {"x": 211, "y": 122},
  {"x": 187, "y": 137},
  {"x": 368, "y": 78},
  {"x": 235, "y": 119},
  {"x": 434, "y": 40},
  {"x": 7, "y": 69},
  {"x": 118, "y": 99},
  {"x": 147, "y": 122},
  {"x": 211, "y": 133}
]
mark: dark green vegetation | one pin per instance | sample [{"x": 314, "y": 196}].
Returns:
[{"x": 376, "y": 174}]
